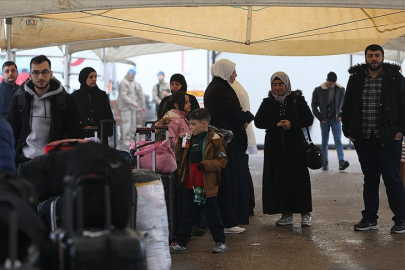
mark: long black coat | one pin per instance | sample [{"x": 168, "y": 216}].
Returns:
[
  {"x": 286, "y": 182},
  {"x": 233, "y": 194}
]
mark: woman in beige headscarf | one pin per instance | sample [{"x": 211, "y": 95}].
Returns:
[
  {"x": 286, "y": 182},
  {"x": 226, "y": 113}
]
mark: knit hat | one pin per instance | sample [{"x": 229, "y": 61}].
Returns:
[
  {"x": 179, "y": 78},
  {"x": 132, "y": 70},
  {"x": 161, "y": 73},
  {"x": 331, "y": 77}
]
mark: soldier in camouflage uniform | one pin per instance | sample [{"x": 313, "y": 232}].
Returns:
[
  {"x": 131, "y": 101},
  {"x": 160, "y": 90}
]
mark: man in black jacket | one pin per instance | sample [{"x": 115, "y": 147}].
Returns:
[
  {"x": 373, "y": 117},
  {"x": 42, "y": 112},
  {"x": 327, "y": 101}
]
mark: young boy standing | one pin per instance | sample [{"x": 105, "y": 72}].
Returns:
[{"x": 199, "y": 172}]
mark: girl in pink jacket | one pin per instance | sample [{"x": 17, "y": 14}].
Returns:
[{"x": 177, "y": 109}]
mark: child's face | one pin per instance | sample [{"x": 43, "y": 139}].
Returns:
[
  {"x": 198, "y": 126},
  {"x": 187, "y": 105}
]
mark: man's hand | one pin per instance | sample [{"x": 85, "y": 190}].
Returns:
[
  {"x": 136, "y": 105},
  {"x": 352, "y": 139}
]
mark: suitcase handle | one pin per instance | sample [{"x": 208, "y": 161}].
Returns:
[
  {"x": 68, "y": 194},
  {"x": 13, "y": 228},
  {"x": 102, "y": 127}
]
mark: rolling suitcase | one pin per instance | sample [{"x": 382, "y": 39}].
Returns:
[
  {"x": 101, "y": 248},
  {"x": 171, "y": 189}
]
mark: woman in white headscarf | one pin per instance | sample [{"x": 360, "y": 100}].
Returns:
[
  {"x": 226, "y": 113},
  {"x": 286, "y": 182}
]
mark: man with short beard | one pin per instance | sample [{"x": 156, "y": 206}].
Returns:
[
  {"x": 43, "y": 112},
  {"x": 373, "y": 118},
  {"x": 8, "y": 87}
]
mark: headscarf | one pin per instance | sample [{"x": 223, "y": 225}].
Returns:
[
  {"x": 223, "y": 68},
  {"x": 83, "y": 75},
  {"x": 284, "y": 78},
  {"x": 180, "y": 79}
]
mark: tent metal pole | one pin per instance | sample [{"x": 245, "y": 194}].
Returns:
[
  {"x": 248, "y": 26},
  {"x": 105, "y": 68},
  {"x": 66, "y": 67},
  {"x": 9, "y": 55}
]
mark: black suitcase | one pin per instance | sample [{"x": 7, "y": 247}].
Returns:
[
  {"x": 10, "y": 201},
  {"x": 172, "y": 190},
  {"x": 103, "y": 248}
]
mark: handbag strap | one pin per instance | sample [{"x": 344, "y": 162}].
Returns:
[{"x": 296, "y": 111}]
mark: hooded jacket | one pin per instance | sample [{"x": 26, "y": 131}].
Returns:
[
  {"x": 56, "y": 117},
  {"x": 391, "y": 117},
  {"x": 213, "y": 161},
  {"x": 320, "y": 99},
  {"x": 178, "y": 124}
]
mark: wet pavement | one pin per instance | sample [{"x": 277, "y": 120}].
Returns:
[{"x": 330, "y": 243}]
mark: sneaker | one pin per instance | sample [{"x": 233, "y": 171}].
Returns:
[
  {"x": 176, "y": 248},
  {"x": 325, "y": 166},
  {"x": 343, "y": 164},
  {"x": 285, "y": 219},
  {"x": 399, "y": 227},
  {"x": 220, "y": 248},
  {"x": 365, "y": 225},
  {"x": 235, "y": 229},
  {"x": 306, "y": 220}
]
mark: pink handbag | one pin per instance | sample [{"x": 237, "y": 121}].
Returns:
[{"x": 165, "y": 156}]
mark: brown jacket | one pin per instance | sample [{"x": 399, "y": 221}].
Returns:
[{"x": 214, "y": 160}]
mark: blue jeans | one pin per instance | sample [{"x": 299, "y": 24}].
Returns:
[
  {"x": 377, "y": 160},
  {"x": 191, "y": 211},
  {"x": 336, "y": 127}
]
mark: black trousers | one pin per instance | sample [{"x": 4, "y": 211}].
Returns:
[
  {"x": 378, "y": 160},
  {"x": 189, "y": 216}
]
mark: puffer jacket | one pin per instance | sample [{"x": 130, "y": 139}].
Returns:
[
  {"x": 214, "y": 159},
  {"x": 391, "y": 118}
]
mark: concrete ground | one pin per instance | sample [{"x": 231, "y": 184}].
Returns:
[{"x": 330, "y": 243}]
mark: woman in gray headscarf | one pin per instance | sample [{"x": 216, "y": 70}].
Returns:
[
  {"x": 286, "y": 182},
  {"x": 226, "y": 113}
]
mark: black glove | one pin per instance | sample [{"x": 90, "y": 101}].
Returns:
[{"x": 201, "y": 167}]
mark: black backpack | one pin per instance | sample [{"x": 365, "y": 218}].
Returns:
[{"x": 94, "y": 158}]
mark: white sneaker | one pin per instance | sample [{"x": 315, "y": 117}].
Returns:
[
  {"x": 285, "y": 219},
  {"x": 306, "y": 220},
  {"x": 235, "y": 229}
]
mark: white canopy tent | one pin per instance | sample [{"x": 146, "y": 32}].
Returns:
[
  {"x": 262, "y": 27},
  {"x": 266, "y": 27}
]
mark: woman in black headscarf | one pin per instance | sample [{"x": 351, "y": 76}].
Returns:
[
  {"x": 226, "y": 113},
  {"x": 93, "y": 103},
  {"x": 177, "y": 83}
]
